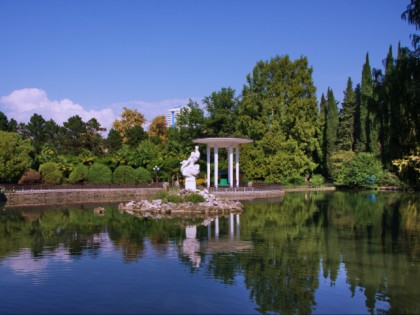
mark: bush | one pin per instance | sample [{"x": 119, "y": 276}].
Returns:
[
  {"x": 194, "y": 198},
  {"x": 143, "y": 175},
  {"x": 51, "y": 173},
  {"x": 100, "y": 174},
  {"x": 125, "y": 174},
  {"x": 317, "y": 180},
  {"x": 365, "y": 170},
  {"x": 79, "y": 174},
  {"x": 296, "y": 180},
  {"x": 30, "y": 176}
]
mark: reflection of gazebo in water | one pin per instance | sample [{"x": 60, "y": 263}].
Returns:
[{"x": 230, "y": 144}]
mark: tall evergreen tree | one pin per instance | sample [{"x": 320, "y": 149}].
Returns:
[
  {"x": 345, "y": 131},
  {"x": 366, "y": 90},
  {"x": 330, "y": 130},
  {"x": 279, "y": 101}
]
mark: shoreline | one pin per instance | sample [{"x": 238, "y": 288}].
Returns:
[{"x": 115, "y": 195}]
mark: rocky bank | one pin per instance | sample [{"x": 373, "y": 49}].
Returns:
[{"x": 211, "y": 205}]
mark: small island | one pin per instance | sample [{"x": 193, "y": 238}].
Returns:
[{"x": 183, "y": 202}]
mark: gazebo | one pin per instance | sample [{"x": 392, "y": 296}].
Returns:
[{"x": 230, "y": 144}]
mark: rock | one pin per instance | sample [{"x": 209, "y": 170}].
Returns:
[
  {"x": 212, "y": 204},
  {"x": 99, "y": 211}
]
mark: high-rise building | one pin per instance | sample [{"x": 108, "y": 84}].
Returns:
[{"x": 171, "y": 116}]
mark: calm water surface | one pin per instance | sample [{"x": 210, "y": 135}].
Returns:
[{"x": 307, "y": 253}]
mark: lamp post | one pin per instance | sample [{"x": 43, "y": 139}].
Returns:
[{"x": 156, "y": 170}]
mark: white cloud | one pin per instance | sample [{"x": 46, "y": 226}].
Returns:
[{"x": 22, "y": 104}]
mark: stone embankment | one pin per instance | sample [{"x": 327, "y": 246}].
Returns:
[
  {"x": 86, "y": 195},
  {"x": 211, "y": 205}
]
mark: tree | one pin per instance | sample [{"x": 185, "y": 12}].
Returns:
[
  {"x": 93, "y": 139},
  {"x": 74, "y": 135},
  {"x": 37, "y": 131},
  {"x": 129, "y": 118},
  {"x": 280, "y": 96},
  {"x": 366, "y": 91},
  {"x": 412, "y": 15},
  {"x": 113, "y": 141},
  {"x": 4, "y": 122},
  {"x": 330, "y": 130},
  {"x": 345, "y": 132},
  {"x": 158, "y": 128},
  {"x": 16, "y": 155},
  {"x": 189, "y": 125},
  {"x": 135, "y": 135},
  {"x": 222, "y": 107}
]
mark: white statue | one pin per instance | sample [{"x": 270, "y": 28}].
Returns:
[{"x": 190, "y": 170}]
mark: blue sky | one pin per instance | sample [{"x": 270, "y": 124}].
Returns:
[{"x": 93, "y": 57}]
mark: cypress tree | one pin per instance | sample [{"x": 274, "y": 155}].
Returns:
[
  {"x": 330, "y": 130},
  {"x": 345, "y": 131},
  {"x": 366, "y": 90}
]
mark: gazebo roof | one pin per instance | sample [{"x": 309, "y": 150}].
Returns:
[{"x": 222, "y": 142}]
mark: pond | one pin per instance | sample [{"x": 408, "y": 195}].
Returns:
[{"x": 313, "y": 252}]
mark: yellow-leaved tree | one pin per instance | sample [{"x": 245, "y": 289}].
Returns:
[{"x": 129, "y": 118}]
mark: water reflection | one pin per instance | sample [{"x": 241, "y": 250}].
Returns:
[
  {"x": 194, "y": 248},
  {"x": 340, "y": 252}
]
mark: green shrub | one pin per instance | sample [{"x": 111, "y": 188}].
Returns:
[
  {"x": 125, "y": 174},
  {"x": 296, "y": 180},
  {"x": 51, "y": 173},
  {"x": 317, "y": 180},
  {"x": 194, "y": 198},
  {"x": 79, "y": 174},
  {"x": 365, "y": 170},
  {"x": 143, "y": 175},
  {"x": 174, "y": 198},
  {"x": 100, "y": 174}
]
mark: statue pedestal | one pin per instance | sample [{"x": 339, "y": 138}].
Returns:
[{"x": 190, "y": 183}]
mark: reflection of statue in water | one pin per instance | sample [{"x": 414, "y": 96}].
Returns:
[{"x": 190, "y": 170}]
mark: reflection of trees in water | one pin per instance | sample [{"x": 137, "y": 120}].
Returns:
[{"x": 375, "y": 236}]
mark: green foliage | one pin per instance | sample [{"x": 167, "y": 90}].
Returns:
[
  {"x": 275, "y": 159},
  {"x": 174, "y": 197},
  {"x": 79, "y": 174},
  {"x": 100, "y": 174},
  {"x": 143, "y": 176},
  {"x": 16, "y": 155},
  {"x": 340, "y": 162},
  {"x": 51, "y": 173},
  {"x": 365, "y": 170},
  {"x": 86, "y": 157},
  {"x": 330, "y": 131},
  {"x": 125, "y": 174},
  {"x": 113, "y": 141},
  {"x": 345, "y": 132},
  {"x": 279, "y": 112},
  {"x": 194, "y": 198},
  {"x": 222, "y": 107},
  {"x": 317, "y": 180},
  {"x": 409, "y": 169}
]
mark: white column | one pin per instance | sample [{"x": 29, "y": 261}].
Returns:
[
  {"x": 216, "y": 227},
  {"x": 230, "y": 167},
  {"x": 208, "y": 166},
  {"x": 216, "y": 167},
  {"x": 237, "y": 166}
]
